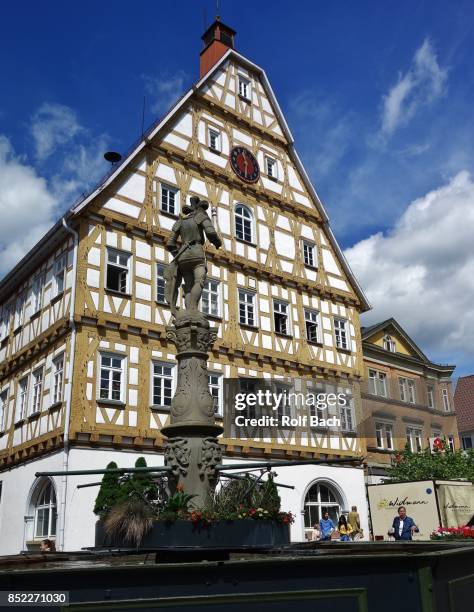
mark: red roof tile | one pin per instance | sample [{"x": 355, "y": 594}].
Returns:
[{"x": 464, "y": 403}]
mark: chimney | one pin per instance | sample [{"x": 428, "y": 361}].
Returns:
[{"x": 217, "y": 39}]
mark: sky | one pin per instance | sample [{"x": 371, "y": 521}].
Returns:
[{"x": 378, "y": 95}]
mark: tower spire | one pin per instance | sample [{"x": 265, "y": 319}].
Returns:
[{"x": 218, "y": 38}]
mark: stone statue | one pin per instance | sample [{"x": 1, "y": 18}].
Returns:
[
  {"x": 191, "y": 448},
  {"x": 189, "y": 258}
]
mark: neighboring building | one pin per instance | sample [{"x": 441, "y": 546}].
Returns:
[
  {"x": 464, "y": 405},
  {"x": 406, "y": 398},
  {"x": 86, "y": 370}
]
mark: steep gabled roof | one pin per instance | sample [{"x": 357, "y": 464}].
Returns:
[
  {"x": 156, "y": 127},
  {"x": 464, "y": 403}
]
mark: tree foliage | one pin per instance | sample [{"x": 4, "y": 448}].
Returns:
[
  {"x": 110, "y": 493},
  {"x": 426, "y": 465}
]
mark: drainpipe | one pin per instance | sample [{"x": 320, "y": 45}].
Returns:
[{"x": 72, "y": 354}]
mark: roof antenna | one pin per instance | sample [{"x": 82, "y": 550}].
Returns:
[{"x": 218, "y": 10}]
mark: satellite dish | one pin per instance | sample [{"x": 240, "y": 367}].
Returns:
[{"x": 112, "y": 156}]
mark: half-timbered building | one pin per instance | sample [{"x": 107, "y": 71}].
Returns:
[{"x": 87, "y": 373}]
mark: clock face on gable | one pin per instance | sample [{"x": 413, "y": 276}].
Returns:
[{"x": 244, "y": 164}]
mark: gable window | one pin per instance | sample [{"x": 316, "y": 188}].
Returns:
[
  {"x": 45, "y": 512},
  {"x": 162, "y": 383},
  {"x": 111, "y": 377},
  {"x": 246, "y": 307},
  {"x": 19, "y": 311},
  {"x": 272, "y": 167},
  {"x": 117, "y": 271},
  {"x": 312, "y": 323},
  {"x": 21, "y": 399},
  {"x": 384, "y": 436},
  {"x": 215, "y": 389},
  {"x": 309, "y": 254},
  {"x": 430, "y": 396},
  {"x": 3, "y": 409},
  {"x": 377, "y": 383},
  {"x": 58, "y": 379},
  {"x": 389, "y": 344},
  {"x": 169, "y": 199},
  {"x": 210, "y": 297},
  {"x": 37, "y": 390},
  {"x": 407, "y": 390},
  {"x": 37, "y": 293},
  {"x": 59, "y": 274},
  {"x": 160, "y": 283},
  {"x": 243, "y": 223},
  {"x": 340, "y": 331},
  {"x": 414, "y": 436},
  {"x": 214, "y": 140},
  {"x": 446, "y": 405},
  {"x": 244, "y": 87},
  {"x": 280, "y": 317}
]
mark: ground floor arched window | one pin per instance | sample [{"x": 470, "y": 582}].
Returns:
[
  {"x": 45, "y": 511},
  {"x": 319, "y": 498}
]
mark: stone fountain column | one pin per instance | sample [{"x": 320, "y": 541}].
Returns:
[{"x": 191, "y": 448}]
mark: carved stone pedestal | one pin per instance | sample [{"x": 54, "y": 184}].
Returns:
[{"x": 191, "y": 448}]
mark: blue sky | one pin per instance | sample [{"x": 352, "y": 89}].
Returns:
[{"x": 378, "y": 96}]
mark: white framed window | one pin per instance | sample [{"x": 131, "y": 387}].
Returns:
[
  {"x": 247, "y": 308},
  {"x": 3, "y": 409},
  {"x": 271, "y": 167},
  {"x": 162, "y": 383},
  {"x": 309, "y": 255},
  {"x": 340, "y": 331},
  {"x": 37, "y": 391},
  {"x": 215, "y": 389},
  {"x": 407, "y": 390},
  {"x": 430, "y": 395},
  {"x": 210, "y": 300},
  {"x": 169, "y": 199},
  {"x": 214, "y": 138},
  {"x": 60, "y": 274},
  {"x": 414, "y": 439},
  {"x": 313, "y": 325},
  {"x": 389, "y": 344},
  {"x": 347, "y": 417},
  {"x": 21, "y": 399},
  {"x": 284, "y": 407},
  {"x": 451, "y": 444},
  {"x": 321, "y": 498},
  {"x": 446, "y": 404},
  {"x": 281, "y": 317},
  {"x": 243, "y": 223},
  {"x": 19, "y": 311},
  {"x": 5, "y": 320},
  {"x": 45, "y": 512},
  {"x": 37, "y": 293},
  {"x": 117, "y": 278},
  {"x": 111, "y": 384},
  {"x": 160, "y": 283},
  {"x": 384, "y": 435},
  {"x": 436, "y": 434},
  {"x": 244, "y": 87},
  {"x": 58, "y": 379},
  {"x": 377, "y": 383}
]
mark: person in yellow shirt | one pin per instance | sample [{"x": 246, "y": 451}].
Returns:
[{"x": 344, "y": 528}]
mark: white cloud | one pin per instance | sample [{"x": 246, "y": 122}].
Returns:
[
  {"x": 52, "y": 126},
  {"x": 422, "y": 272},
  {"x": 419, "y": 86},
  {"x": 164, "y": 90},
  {"x": 27, "y": 207}
]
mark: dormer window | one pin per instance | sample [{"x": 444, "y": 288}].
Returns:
[
  {"x": 389, "y": 344},
  {"x": 244, "y": 88},
  {"x": 214, "y": 140},
  {"x": 272, "y": 168}
]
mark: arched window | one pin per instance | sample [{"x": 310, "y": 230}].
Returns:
[
  {"x": 321, "y": 497},
  {"x": 45, "y": 511},
  {"x": 388, "y": 343},
  {"x": 243, "y": 223}
]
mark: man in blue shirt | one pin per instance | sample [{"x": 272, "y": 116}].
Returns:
[
  {"x": 403, "y": 526},
  {"x": 326, "y": 526}
]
